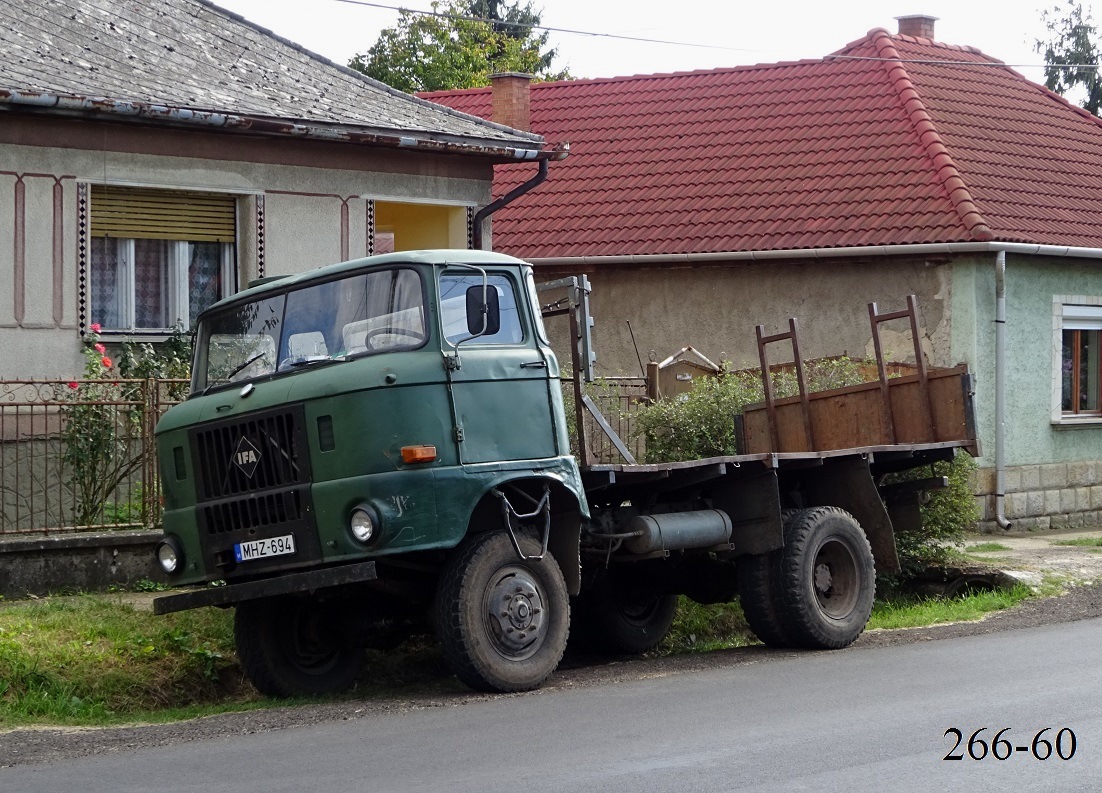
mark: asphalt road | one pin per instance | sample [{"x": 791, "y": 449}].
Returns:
[{"x": 870, "y": 719}]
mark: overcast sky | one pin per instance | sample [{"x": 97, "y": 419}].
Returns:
[{"x": 725, "y": 32}]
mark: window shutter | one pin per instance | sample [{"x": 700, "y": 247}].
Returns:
[
  {"x": 1077, "y": 317},
  {"x": 141, "y": 213}
]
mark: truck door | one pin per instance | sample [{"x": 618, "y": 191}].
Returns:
[{"x": 500, "y": 394}]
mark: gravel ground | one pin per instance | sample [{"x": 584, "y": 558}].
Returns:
[{"x": 1030, "y": 557}]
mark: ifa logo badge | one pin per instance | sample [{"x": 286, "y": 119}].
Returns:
[{"x": 246, "y": 457}]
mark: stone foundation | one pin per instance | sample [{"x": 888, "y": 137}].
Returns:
[{"x": 1041, "y": 497}]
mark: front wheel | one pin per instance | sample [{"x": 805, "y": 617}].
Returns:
[
  {"x": 292, "y": 647},
  {"x": 826, "y": 578},
  {"x": 502, "y": 621}
]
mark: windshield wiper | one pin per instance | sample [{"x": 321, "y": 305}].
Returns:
[
  {"x": 239, "y": 367},
  {"x": 226, "y": 380},
  {"x": 309, "y": 360}
]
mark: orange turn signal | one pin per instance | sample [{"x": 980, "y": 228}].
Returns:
[{"x": 418, "y": 454}]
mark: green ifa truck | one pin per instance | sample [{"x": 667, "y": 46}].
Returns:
[{"x": 380, "y": 447}]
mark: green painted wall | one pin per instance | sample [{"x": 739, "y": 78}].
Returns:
[{"x": 1031, "y": 283}]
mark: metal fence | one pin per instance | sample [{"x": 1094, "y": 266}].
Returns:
[
  {"x": 79, "y": 454},
  {"x": 617, "y": 398}
]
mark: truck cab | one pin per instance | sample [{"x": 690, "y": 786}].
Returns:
[{"x": 361, "y": 418}]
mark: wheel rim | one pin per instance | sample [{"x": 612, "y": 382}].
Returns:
[
  {"x": 307, "y": 644},
  {"x": 639, "y": 611},
  {"x": 834, "y": 578},
  {"x": 516, "y": 615}
]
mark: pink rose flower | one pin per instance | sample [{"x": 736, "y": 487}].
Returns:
[
  {"x": 73, "y": 386},
  {"x": 106, "y": 362},
  {"x": 100, "y": 348},
  {"x": 95, "y": 326}
]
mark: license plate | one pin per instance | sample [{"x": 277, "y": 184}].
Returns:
[{"x": 261, "y": 549}]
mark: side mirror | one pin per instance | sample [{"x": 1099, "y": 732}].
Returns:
[{"x": 483, "y": 318}]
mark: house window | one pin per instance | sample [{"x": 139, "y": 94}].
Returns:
[
  {"x": 1079, "y": 363},
  {"x": 158, "y": 257},
  {"x": 1080, "y": 369}
]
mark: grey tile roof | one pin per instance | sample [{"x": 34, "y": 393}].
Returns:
[{"x": 195, "y": 55}]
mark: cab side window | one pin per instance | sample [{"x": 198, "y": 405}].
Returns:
[{"x": 453, "y": 308}]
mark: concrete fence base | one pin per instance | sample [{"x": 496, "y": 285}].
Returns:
[{"x": 85, "y": 562}]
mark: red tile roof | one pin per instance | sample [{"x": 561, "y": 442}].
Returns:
[{"x": 891, "y": 140}]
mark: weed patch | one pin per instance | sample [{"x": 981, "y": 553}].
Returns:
[
  {"x": 1081, "y": 542},
  {"x": 915, "y": 612},
  {"x": 87, "y": 660},
  {"x": 698, "y": 628},
  {"x": 986, "y": 547}
]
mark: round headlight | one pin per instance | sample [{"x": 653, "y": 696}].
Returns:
[
  {"x": 168, "y": 557},
  {"x": 362, "y": 524}
]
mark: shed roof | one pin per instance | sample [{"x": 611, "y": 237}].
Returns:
[
  {"x": 150, "y": 58},
  {"x": 891, "y": 140}
]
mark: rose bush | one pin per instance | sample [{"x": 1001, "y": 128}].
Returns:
[{"x": 100, "y": 434}]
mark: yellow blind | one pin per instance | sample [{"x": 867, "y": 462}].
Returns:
[{"x": 141, "y": 213}]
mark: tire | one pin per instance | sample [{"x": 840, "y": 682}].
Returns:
[
  {"x": 625, "y": 621},
  {"x": 502, "y": 622},
  {"x": 827, "y": 579},
  {"x": 288, "y": 647},
  {"x": 760, "y": 595},
  {"x": 760, "y": 598}
]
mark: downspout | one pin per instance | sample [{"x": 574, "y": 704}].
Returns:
[
  {"x": 1000, "y": 390},
  {"x": 509, "y": 197}
]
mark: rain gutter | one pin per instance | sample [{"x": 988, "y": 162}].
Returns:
[
  {"x": 1000, "y": 390},
  {"x": 266, "y": 125},
  {"x": 917, "y": 249},
  {"x": 1000, "y": 249},
  {"x": 494, "y": 206}
]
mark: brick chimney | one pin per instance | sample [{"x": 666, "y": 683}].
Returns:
[
  {"x": 919, "y": 26},
  {"x": 512, "y": 104}
]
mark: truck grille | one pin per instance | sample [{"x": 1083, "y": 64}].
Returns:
[
  {"x": 259, "y": 452},
  {"x": 253, "y": 482},
  {"x": 253, "y": 512}
]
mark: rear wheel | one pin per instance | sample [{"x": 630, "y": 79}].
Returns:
[
  {"x": 760, "y": 595},
  {"x": 760, "y": 598},
  {"x": 826, "y": 578},
  {"x": 292, "y": 647},
  {"x": 502, "y": 621},
  {"x": 619, "y": 618}
]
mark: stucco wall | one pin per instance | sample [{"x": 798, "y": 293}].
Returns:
[
  {"x": 1054, "y": 472},
  {"x": 1031, "y": 283},
  {"x": 716, "y": 309},
  {"x": 315, "y": 209}
]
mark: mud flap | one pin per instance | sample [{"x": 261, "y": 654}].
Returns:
[{"x": 847, "y": 482}]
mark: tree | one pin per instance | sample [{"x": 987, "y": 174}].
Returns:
[
  {"x": 1072, "y": 53},
  {"x": 517, "y": 22},
  {"x": 449, "y": 50}
]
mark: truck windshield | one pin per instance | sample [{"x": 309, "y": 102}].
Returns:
[{"x": 362, "y": 314}]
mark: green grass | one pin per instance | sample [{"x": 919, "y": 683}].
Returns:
[
  {"x": 1081, "y": 542},
  {"x": 701, "y": 628},
  {"x": 698, "y": 628},
  {"x": 93, "y": 660},
  {"x": 913, "y": 612},
  {"x": 984, "y": 547}
]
